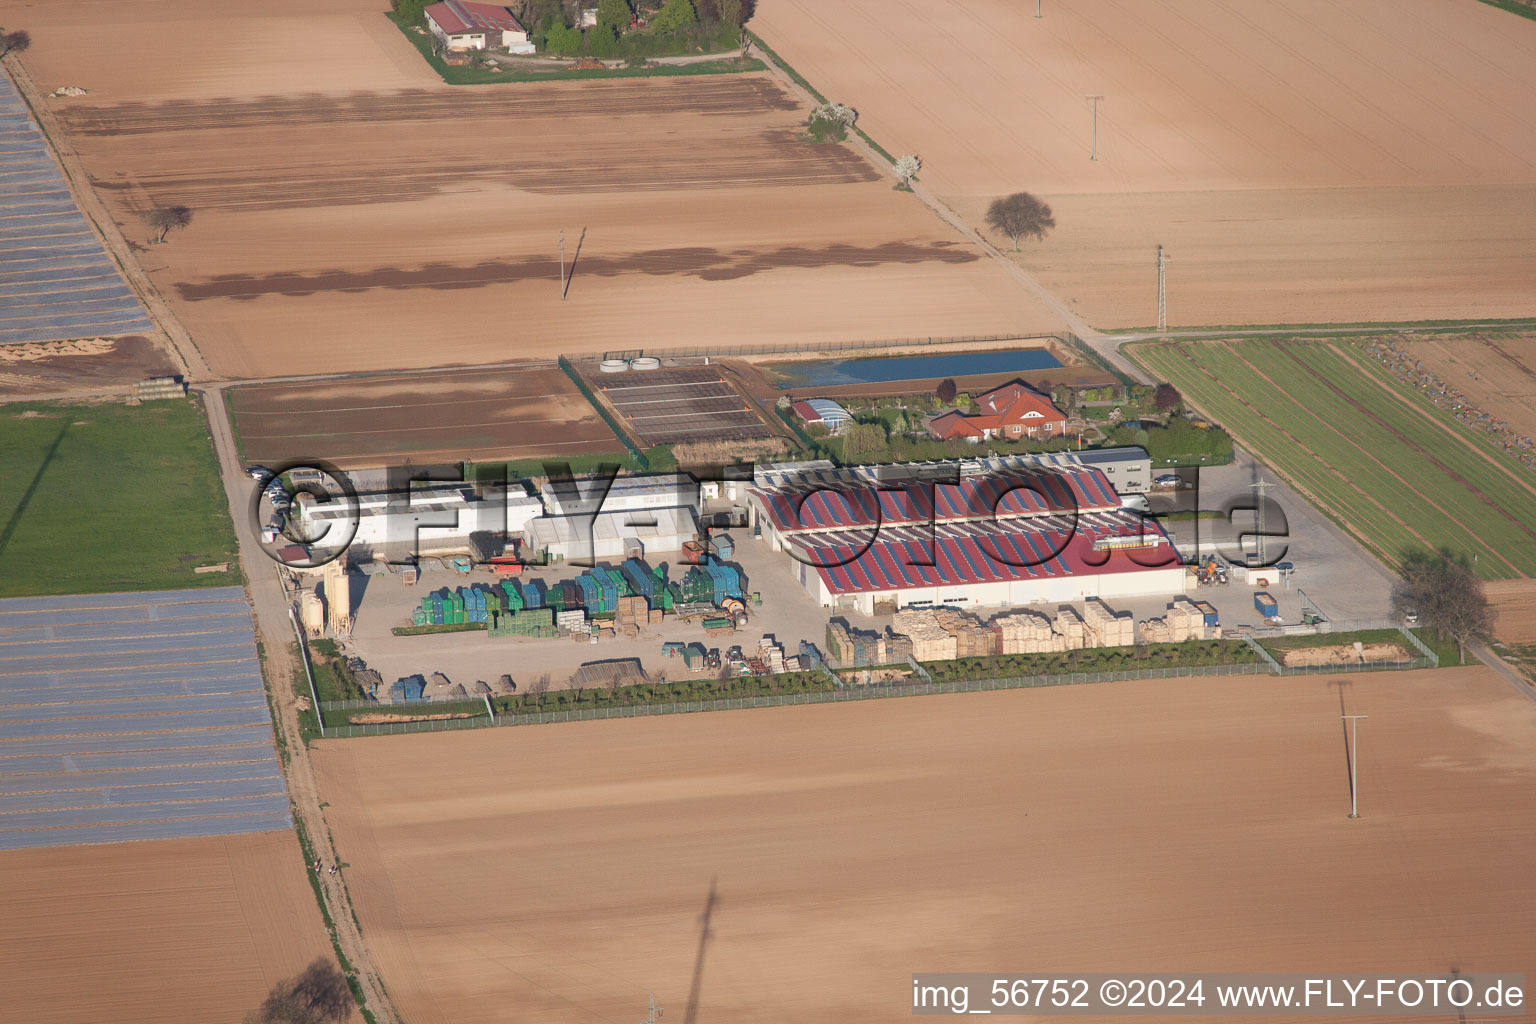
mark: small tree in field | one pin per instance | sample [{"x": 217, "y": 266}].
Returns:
[
  {"x": 318, "y": 995},
  {"x": 163, "y": 220},
  {"x": 1448, "y": 598},
  {"x": 1167, "y": 397},
  {"x": 946, "y": 390},
  {"x": 1019, "y": 216},
  {"x": 907, "y": 168},
  {"x": 18, "y": 41}
]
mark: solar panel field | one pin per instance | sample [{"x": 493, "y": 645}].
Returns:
[
  {"x": 56, "y": 282},
  {"x": 1393, "y": 470},
  {"x": 133, "y": 716}
]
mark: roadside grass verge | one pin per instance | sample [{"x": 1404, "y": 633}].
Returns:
[
  {"x": 110, "y": 497},
  {"x": 1391, "y": 469},
  {"x": 1514, "y": 7},
  {"x": 474, "y": 75},
  {"x": 1345, "y": 327},
  {"x": 801, "y": 80},
  {"x": 1191, "y": 654}
]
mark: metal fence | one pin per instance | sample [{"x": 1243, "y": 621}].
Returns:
[
  {"x": 641, "y": 462},
  {"x": 1092, "y": 355},
  {"x": 841, "y": 695},
  {"x": 1427, "y": 657}
]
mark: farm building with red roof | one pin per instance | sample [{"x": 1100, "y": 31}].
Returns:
[
  {"x": 465, "y": 25},
  {"x": 1016, "y": 532},
  {"x": 1013, "y": 411}
]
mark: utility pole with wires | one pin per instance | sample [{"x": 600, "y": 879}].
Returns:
[
  {"x": 1093, "y": 154},
  {"x": 1259, "y": 490},
  {"x": 1162, "y": 290},
  {"x": 654, "y": 1015},
  {"x": 1037, "y": 8},
  {"x": 562, "y": 264},
  {"x": 1354, "y": 763}
]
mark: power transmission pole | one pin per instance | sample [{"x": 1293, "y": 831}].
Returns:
[
  {"x": 562, "y": 264},
  {"x": 653, "y": 1016},
  {"x": 1037, "y": 8},
  {"x": 1162, "y": 291},
  {"x": 1354, "y": 763},
  {"x": 1259, "y": 489},
  {"x": 1094, "y": 99}
]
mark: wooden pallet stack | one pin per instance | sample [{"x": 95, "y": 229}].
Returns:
[
  {"x": 930, "y": 641},
  {"x": 1106, "y": 627},
  {"x": 1024, "y": 633},
  {"x": 972, "y": 637}
]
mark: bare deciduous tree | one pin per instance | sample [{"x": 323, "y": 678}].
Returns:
[
  {"x": 164, "y": 219},
  {"x": 540, "y": 685},
  {"x": 1020, "y": 215},
  {"x": 18, "y": 41},
  {"x": 317, "y": 995},
  {"x": 1440, "y": 587}
]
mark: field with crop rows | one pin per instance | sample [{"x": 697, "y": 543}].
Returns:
[{"x": 1392, "y": 469}]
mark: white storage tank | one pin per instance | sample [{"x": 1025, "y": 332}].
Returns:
[
  {"x": 612, "y": 366},
  {"x": 645, "y": 363}
]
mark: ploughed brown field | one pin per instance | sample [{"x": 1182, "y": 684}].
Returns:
[
  {"x": 1514, "y": 610},
  {"x": 1497, "y": 372},
  {"x": 159, "y": 932},
  {"x": 353, "y": 212},
  {"x": 518, "y": 412},
  {"x": 1141, "y": 826},
  {"x": 1302, "y": 161}
]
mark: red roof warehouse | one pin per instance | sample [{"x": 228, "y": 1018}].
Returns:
[{"x": 1015, "y": 533}]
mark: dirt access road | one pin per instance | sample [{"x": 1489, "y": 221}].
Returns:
[
  {"x": 1163, "y": 824},
  {"x": 275, "y": 628}
]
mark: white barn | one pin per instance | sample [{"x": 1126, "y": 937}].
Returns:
[{"x": 466, "y": 25}]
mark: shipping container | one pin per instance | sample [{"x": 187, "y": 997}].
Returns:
[
  {"x": 534, "y": 593},
  {"x": 1208, "y": 611},
  {"x": 724, "y": 546},
  {"x": 641, "y": 580}
]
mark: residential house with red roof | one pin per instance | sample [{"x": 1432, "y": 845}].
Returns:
[
  {"x": 1012, "y": 412},
  {"x": 465, "y": 25}
]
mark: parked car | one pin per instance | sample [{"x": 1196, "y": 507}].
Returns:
[
  {"x": 1410, "y": 617},
  {"x": 1171, "y": 480},
  {"x": 258, "y": 472}
]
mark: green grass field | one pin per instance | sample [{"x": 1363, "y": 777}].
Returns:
[
  {"x": 1393, "y": 470},
  {"x": 109, "y": 497}
]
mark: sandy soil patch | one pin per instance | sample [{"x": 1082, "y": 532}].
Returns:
[
  {"x": 1514, "y": 606},
  {"x": 1161, "y": 824},
  {"x": 1344, "y": 255},
  {"x": 1199, "y": 94},
  {"x": 174, "y": 930},
  {"x": 353, "y": 214},
  {"x": 1306, "y": 161},
  {"x": 512, "y": 413},
  {"x": 1345, "y": 655}
]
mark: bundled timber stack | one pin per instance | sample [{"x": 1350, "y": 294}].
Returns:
[
  {"x": 972, "y": 638},
  {"x": 1024, "y": 633},
  {"x": 930, "y": 641},
  {"x": 1072, "y": 630},
  {"x": 1106, "y": 627}
]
